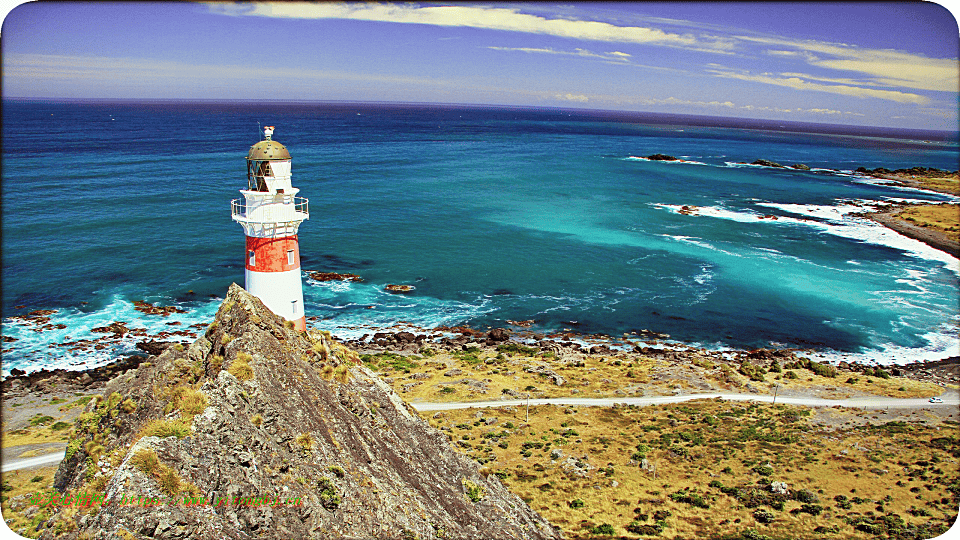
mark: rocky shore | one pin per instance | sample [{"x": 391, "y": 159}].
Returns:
[{"x": 930, "y": 237}]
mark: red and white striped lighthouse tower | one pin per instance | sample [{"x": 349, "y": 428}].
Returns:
[{"x": 270, "y": 213}]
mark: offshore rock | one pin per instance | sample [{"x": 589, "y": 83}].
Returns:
[
  {"x": 259, "y": 430},
  {"x": 767, "y": 163}
]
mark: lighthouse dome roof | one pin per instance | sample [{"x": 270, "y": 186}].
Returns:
[{"x": 268, "y": 150}]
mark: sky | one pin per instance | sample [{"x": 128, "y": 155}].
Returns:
[{"x": 892, "y": 64}]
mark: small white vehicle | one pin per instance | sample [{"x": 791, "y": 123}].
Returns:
[{"x": 936, "y": 400}]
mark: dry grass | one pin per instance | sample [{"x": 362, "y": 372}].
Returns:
[
  {"x": 696, "y": 443},
  {"x": 941, "y": 217},
  {"x": 623, "y": 374},
  {"x": 188, "y": 400},
  {"x": 34, "y": 435},
  {"x": 21, "y": 482},
  {"x": 305, "y": 441},
  {"x": 169, "y": 481},
  {"x": 165, "y": 427},
  {"x": 949, "y": 184},
  {"x": 240, "y": 367}
]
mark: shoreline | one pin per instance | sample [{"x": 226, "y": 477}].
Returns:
[
  {"x": 916, "y": 179},
  {"x": 930, "y": 237},
  {"x": 112, "y": 334}
]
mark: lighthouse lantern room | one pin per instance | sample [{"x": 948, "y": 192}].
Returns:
[{"x": 271, "y": 213}]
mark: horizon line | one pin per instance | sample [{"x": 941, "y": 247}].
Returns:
[{"x": 766, "y": 124}]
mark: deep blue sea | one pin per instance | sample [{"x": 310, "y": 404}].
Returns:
[{"x": 492, "y": 214}]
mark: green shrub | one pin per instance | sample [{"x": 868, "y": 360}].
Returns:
[
  {"x": 329, "y": 498},
  {"x": 823, "y": 370},
  {"x": 40, "y": 419},
  {"x": 517, "y": 348},
  {"x": 576, "y": 503},
  {"x": 763, "y": 516},
  {"x": 474, "y": 492},
  {"x": 604, "y": 528}
]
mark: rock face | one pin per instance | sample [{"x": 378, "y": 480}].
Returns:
[{"x": 258, "y": 430}]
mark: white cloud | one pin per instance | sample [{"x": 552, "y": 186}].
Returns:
[
  {"x": 580, "y": 98},
  {"x": 611, "y": 56},
  {"x": 883, "y": 66},
  {"x": 879, "y": 67},
  {"x": 505, "y": 19},
  {"x": 843, "y": 89}
]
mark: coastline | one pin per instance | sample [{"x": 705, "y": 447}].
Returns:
[
  {"x": 930, "y": 237},
  {"x": 917, "y": 179}
]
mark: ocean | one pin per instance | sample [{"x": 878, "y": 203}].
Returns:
[{"x": 493, "y": 214}]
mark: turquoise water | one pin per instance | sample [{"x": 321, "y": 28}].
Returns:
[{"x": 492, "y": 214}]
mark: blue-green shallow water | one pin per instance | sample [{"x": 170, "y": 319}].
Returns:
[{"x": 492, "y": 214}]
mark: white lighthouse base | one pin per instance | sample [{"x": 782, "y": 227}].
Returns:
[{"x": 281, "y": 292}]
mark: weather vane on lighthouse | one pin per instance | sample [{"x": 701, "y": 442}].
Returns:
[{"x": 270, "y": 213}]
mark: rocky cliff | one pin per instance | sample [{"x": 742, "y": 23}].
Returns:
[{"x": 257, "y": 430}]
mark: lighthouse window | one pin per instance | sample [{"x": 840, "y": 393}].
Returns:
[
  {"x": 294, "y": 307},
  {"x": 253, "y": 258},
  {"x": 290, "y": 257}
]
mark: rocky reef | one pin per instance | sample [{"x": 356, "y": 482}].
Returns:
[{"x": 259, "y": 430}]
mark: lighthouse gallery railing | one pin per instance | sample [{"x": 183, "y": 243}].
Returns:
[{"x": 238, "y": 210}]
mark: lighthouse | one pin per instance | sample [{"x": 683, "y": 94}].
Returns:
[{"x": 271, "y": 213}]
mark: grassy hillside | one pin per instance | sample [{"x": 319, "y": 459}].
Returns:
[{"x": 704, "y": 469}]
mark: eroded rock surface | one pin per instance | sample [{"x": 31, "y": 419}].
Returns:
[{"x": 305, "y": 422}]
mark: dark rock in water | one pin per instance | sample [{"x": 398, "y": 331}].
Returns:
[
  {"x": 274, "y": 433},
  {"x": 662, "y": 157},
  {"x": 117, "y": 328},
  {"x": 333, "y": 276},
  {"x": 800, "y": 167},
  {"x": 17, "y": 372},
  {"x": 399, "y": 288},
  {"x": 767, "y": 163}
]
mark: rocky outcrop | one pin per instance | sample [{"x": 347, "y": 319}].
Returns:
[
  {"x": 334, "y": 276},
  {"x": 767, "y": 163},
  {"x": 662, "y": 157},
  {"x": 913, "y": 171},
  {"x": 259, "y": 430},
  {"x": 399, "y": 288}
]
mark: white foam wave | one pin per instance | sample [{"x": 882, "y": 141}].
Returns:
[
  {"x": 350, "y": 310},
  {"x": 675, "y": 161},
  {"x": 940, "y": 344},
  {"x": 837, "y": 221},
  {"x": 68, "y": 341}
]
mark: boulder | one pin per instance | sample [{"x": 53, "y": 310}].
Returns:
[
  {"x": 662, "y": 157},
  {"x": 497, "y": 335}
]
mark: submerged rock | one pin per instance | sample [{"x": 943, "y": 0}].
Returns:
[{"x": 259, "y": 430}]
